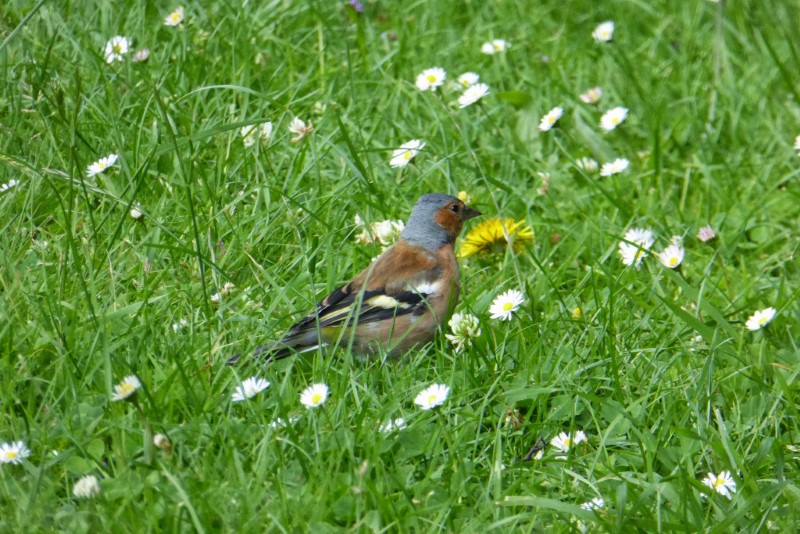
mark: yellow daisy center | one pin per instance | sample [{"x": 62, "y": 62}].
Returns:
[
  {"x": 568, "y": 443},
  {"x": 316, "y": 398},
  {"x": 762, "y": 319},
  {"x": 431, "y": 78},
  {"x": 673, "y": 261},
  {"x": 125, "y": 389},
  {"x": 174, "y": 17},
  {"x": 11, "y": 455},
  {"x": 719, "y": 482},
  {"x": 407, "y": 155},
  {"x": 117, "y": 49},
  {"x": 508, "y": 306},
  {"x": 431, "y": 398}
]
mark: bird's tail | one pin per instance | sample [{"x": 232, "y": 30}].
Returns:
[{"x": 277, "y": 350}]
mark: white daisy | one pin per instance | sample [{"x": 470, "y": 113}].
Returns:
[
  {"x": 550, "y": 119},
  {"x": 613, "y": 118},
  {"x": 216, "y": 298},
  {"x": 587, "y": 164},
  {"x": 256, "y": 132},
  {"x": 564, "y": 442},
  {"x": 672, "y": 256},
  {"x": 126, "y": 388},
  {"x": 248, "y": 135},
  {"x": 387, "y": 232},
  {"x": 432, "y": 396},
  {"x": 249, "y": 388},
  {"x": 636, "y": 245},
  {"x": 465, "y": 327},
  {"x": 722, "y": 483},
  {"x": 136, "y": 211},
  {"x": 641, "y": 236},
  {"x": 116, "y": 47},
  {"x": 545, "y": 176},
  {"x": 604, "y": 32},
  {"x": 383, "y": 232},
  {"x": 280, "y": 422},
  {"x": 299, "y": 129},
  {"x": 592, "y": 96},
  {"x": 430, "y": 79},
  {"x": 760, "y": 319},
  {"x": 392, "y": 425},
  {"x": 504, "y": 306},
  {"x": 797, "y": 143},
  {"x": 8, "y": 185},
  {"x": 631, "y": 254},
  {"x": 495, "y": 46},
  {"x": 14, "y": 452},
  {"x": 141, "y": 55},
  {"x": 407, "y": 151},
  {"x": 615, "y": 167},
  {"x": 595, "y": 504},
  {"x": 86, "y": 487},
  {"x": 468, "y": 79},
  {"x": 473, "y": 94},
  {"x": 265, "y": 132},
  {"x": 314, "y": 396},
  {"x": 162, "y": 442},
  {"x": 174, "y": 18},
  {"x": 101, "y": 165},
  {"x": 706, "y": 233}
]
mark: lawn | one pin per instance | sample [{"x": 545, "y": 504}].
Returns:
[{"x": 180, "y": 186}]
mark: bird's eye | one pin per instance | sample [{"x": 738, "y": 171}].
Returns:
[{"x": 454, "y": 208}]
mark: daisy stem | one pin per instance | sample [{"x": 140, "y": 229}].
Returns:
[
  {"x": 148, "y": 433},
  {"x": 316, "y": 431},
  {"x": 445, "y": 432},
  {"x": 490, "y": 120}
]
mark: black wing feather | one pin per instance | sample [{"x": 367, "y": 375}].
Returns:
[{"x": 342, "y": 299}]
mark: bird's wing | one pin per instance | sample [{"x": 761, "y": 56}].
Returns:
[{"x": 398, "y": 283}]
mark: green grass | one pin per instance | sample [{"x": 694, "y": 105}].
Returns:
[{"x": 89, "y": 295}]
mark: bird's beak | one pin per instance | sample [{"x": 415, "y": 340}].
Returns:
[{"x": 469, "y": 212}]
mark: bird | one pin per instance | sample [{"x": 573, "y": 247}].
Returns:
[{"x": 399, "y": 301}]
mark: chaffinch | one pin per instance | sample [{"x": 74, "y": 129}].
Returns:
[{"x": 398, "y": 302}]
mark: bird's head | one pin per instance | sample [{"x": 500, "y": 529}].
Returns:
[{"x": 437, "y": 219}]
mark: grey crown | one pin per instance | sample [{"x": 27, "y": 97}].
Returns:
[{"x": 421, "y": 229}]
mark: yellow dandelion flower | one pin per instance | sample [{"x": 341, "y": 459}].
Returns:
[{"x": 494, "y": 235}]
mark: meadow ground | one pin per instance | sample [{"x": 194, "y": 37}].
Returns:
[{"x": 202, "y": 240}]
